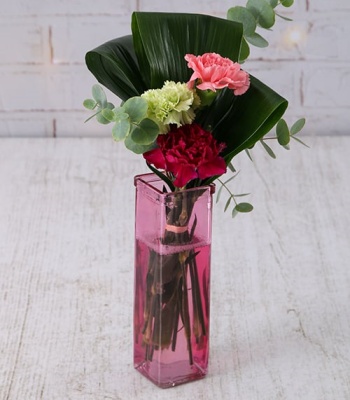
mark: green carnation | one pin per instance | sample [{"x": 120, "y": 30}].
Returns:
[{"x": 174, "y": 103}]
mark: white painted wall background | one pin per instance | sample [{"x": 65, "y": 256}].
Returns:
[{"x": 43, "y": 78}]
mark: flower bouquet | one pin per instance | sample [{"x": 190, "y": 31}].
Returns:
[{"x": 188, "y": 107}]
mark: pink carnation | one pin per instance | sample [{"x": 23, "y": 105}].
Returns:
[
  {"x": 188, "y": 152},
  {"x": 215, "y": 72}
]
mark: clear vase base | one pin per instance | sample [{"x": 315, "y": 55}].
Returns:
[{"x": 166, "y": 376}]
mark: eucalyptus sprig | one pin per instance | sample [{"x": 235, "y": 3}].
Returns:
[
  {"x": 131, "y": 124},
  {"x": 284, "y": 134},
  {"x": 256, "y": 13},
  {"x": 239, "y": 207}
]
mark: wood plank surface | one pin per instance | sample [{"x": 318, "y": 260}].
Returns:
[{"x": 280, "y": 306}]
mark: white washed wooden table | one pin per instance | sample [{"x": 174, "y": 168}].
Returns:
[{"x": 280, "y": 322}]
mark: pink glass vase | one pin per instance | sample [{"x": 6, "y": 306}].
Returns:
[{"x": 172, "y": 281}]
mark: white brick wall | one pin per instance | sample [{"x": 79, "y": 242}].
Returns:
[{"x": 44, "y": 80}]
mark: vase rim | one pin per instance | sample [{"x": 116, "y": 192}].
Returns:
[{"x": 148, "y": 178}]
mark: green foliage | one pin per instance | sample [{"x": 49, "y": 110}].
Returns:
[
  {"x": 284, "y": 134},
  {"x": 268, "y": 149},
  {"x": 238, "y": 207},
  {"x": 257, "y": 13},
  {"x": 287, "y": 3},
  {"x": 262, "y": 12},
  {"x": 161, "y": 41},
  {"x": 130, "y": 120}
]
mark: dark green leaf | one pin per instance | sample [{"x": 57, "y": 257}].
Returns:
[
  {"x": 257, "y": 40},
  {"x": 263, "y": 12},
  {"x": 99, "y": 95},
  {"x": 235, "y": 124},
  {"x": 245, "y": 17},
  {"x": 244, "y": 207},
  {"x": 297, "y": 126},
  {"x": 162, "y": 176},
  {"x": 268, "y": 149},
  {"x": 287, "y": 3},
  {"x": 90, "y": 104},
  {"x": 163, "y": 39},
  {"x": 282, "y": 132},
  {"x": 114, "y": 65}
]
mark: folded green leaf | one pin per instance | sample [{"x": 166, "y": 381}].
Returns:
[{"x": 163, "y": 39}]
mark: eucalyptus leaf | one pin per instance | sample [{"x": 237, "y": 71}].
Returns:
[
  {"x": 297, "y": 126},
  {"x": 245, "y": 17},
  {"x": 219, "y": 193},
  {"x": 244, "y": 207},
  {"x": 287, "y": 3},
  {"x": 108, "y": 114},
  {"x": 231, "y": 167},
  {"x": 135, "y": 147},
  {"x": 257, "y": 40},
  {"x": 234, "y": 212},
  {"x": 136, "y": 107},
  {"x": 263, "y": 12},
  {"x": 249, "y": 155},
  {"x": 300, "y": 141},
  {"x": 242, "y": 195},
  {"x": 228, "y": 202},
  {"x": 101, "y": 119},
  {"x": 283, "y": 17},
  {"x": 282, "y": 132},
  {"x": 146, "y": 133},
  {"x": 90, "y": 104},
  {"x": 268, "y": 149},
  {"x": 121, "y": 130},
  {"x": 99, "y": 95},
  {"x": 273, "y": 3}
]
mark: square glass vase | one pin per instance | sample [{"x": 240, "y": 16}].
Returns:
[{"x": 171, "y": 281}]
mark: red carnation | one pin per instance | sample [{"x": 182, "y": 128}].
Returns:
[{"x": 188, "y": 152}]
